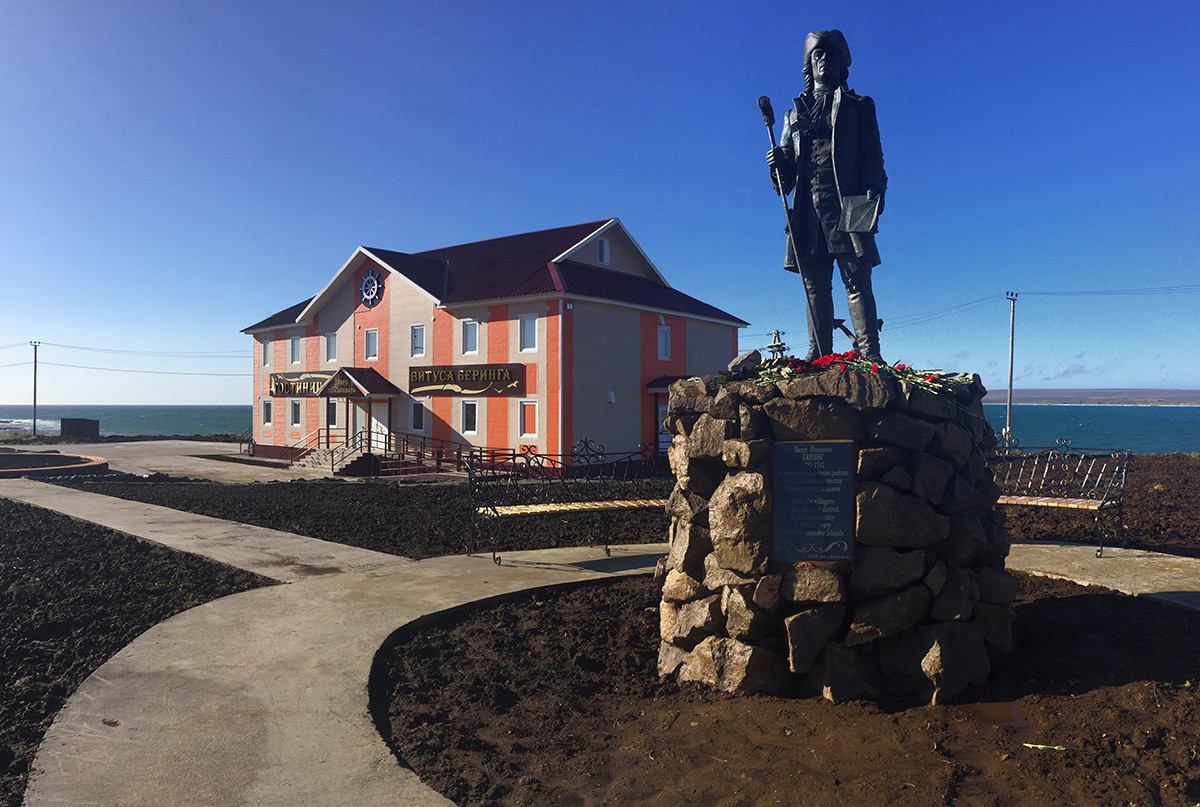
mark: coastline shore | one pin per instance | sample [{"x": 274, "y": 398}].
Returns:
[{"x": 1096, "y": 397}]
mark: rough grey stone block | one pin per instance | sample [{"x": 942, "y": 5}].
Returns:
[
  {"x": 888, "y": 615},
  {"x": 881, "y": 570},
  {"x": 887, "y": 517},
  {"x": 740, "y": 522}
]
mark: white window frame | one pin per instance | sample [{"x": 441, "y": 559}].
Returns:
[
  {"x": 370, "y": 335},
  {"x": 331, "y": 413},
  {"x": 470, "y": 326},
  {"x": 266, "y": 353},
  {"x": 295, "y": 414},
  {"x": 268, "y": 413},
  {"x": 414, "y": 350},
  {"x": 603, "y": 253},
  {"x": 664, "y": 342},
  {"x": 472, "y": 406},
  {"x": 295, "y": 350},
  {"x": 412, "y": 416},
  {"x": 331, "y": 346},
  {"x": 529, "y": 321},
  {"x": 521, "y": 418}
]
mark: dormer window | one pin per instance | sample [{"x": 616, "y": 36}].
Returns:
[{"x": 602, "y": 250}]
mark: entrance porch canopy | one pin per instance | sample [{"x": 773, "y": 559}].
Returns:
[{"x": 358, "y": 382}]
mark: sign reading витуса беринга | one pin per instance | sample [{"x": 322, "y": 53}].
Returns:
[{"x": 813, "y": 507}]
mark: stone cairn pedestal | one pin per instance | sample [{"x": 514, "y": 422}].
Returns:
[{"x": 925, "y": 605}]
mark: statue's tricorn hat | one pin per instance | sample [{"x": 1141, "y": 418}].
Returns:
[{"x": 830, "y": 39}]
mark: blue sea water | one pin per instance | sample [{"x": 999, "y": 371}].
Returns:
[
  {"x": 133, "y": 420},
  {"x": 1141, "y": 429}
]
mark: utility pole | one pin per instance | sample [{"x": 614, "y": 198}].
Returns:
[
  {"x": 35, "y": 347},
  {"x": 1012, "y": 323}
]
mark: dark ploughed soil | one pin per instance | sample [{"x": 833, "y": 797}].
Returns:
[
  {"x": 426, "y": 520},
  {"x": 420, "y": 520},
  {"x": 553, "y": 698},
  {"x": 71, "y": 595}
]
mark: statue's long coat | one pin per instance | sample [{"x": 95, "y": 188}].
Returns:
[{"x": 857, "y": 164}]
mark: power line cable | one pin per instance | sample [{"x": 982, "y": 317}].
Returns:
[
  {"x": 17, "y": 364},
  {"x": 145, "y": 372},
  {"x": 229, "y": 354},
  {"x": 1191, "y": 289},
  {"x": 14, "y": 344},
  {"x": 910, "y": 320}
]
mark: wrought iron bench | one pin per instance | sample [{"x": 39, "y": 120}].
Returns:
[
  {"x": 1067, "y": 477},
  {"x": 508, "y": 483}
]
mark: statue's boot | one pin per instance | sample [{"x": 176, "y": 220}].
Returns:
[{"x": 860, "y": 299}]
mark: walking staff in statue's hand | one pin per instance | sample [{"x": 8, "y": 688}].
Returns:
[{"x": 829, "y": 153}]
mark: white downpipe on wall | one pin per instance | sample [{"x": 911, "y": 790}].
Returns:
[{"x": 562, "y": 314}]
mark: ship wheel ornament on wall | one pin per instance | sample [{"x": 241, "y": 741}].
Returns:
[{"x": 370, "y": 288}]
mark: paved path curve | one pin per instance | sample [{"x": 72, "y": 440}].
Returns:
[
  {"x": 260, "y": 698},
  {"x": 282, "y": 556}
]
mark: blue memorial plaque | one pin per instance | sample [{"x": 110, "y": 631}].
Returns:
[{"x": 813, "y": 508}]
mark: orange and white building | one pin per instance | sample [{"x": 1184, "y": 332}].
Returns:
[{"x": 529, "y": 341}]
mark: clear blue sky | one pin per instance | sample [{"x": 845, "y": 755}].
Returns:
[{"x": 171, "y": 172}]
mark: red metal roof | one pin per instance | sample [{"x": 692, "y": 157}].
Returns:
[
  {"x": 522, "y": 265},
  {"x": 283, "y": 318},
  {"x": 588, "y": 281},
  {"x": 511, "y": 266},
  {"x": 370, "y": 381}
]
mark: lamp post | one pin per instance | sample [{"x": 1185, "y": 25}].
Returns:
[{"x": 1012, "y": 322}]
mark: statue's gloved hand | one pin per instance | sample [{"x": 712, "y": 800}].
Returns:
[
  {"x": 875, "y": 193},
  {"x": 775, "y": 159}
]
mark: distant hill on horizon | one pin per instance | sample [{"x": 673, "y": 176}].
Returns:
[{"x": 1176, "y": 397}]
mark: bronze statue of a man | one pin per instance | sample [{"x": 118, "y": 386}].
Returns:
[{"x": 829, "y": 151}]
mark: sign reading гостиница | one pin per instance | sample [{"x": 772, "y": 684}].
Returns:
[
  {"x": 297, "y": 384},
  {"x": 813, "y": 502}
]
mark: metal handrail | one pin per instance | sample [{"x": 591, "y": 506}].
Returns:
[
  {"x": 315, "y": 440},
  {"x": 303, "y": 446},
  {"x": 425, "y": 449},
  {"x": 353, "y": 443}
]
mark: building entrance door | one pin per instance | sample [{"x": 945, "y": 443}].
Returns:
[
  {"x": 379, "y": 426},
  {"x": 358, "y": 414}
]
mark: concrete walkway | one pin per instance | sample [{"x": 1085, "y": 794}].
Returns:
[
  {"x": 199, "y": 459},
  {"x": 281, "y": 556},
  {"x": 1169, "y": 578},
  {"x": 261, "y": 698}
]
